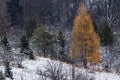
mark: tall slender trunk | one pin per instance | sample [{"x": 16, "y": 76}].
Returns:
[
  {"x": 73, "y": 71},
  {"x": 85, "y": 58},
  {"x": 44, "y": 52}
]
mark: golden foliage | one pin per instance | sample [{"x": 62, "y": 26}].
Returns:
[{"x": 85, "y": 41}]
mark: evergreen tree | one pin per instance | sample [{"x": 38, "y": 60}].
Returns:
[
  {"x": 30, "y": 27},
  {"x": 8, "y": 72},
  {"x": 44, "y": 40},
  {"x": 107, "y": 40},
  {"x": 7, "y": 55},
  {"x": 106, "y": 34},
  {"x": 7, "y": 49},
  {"x": 24, "y": 45},
  {"x": 61, "y": 42},
  {"x": 31, "y": 56},
  {"x": 1, "y": 76},
  {"x": 15, "y": 12},
  {"x": 5, "y": 41}
]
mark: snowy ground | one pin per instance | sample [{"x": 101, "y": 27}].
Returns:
[{"x": 31, "y": 67}]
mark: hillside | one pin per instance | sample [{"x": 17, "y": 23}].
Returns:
[
  {"x": 77, "y": 39},
  {"x": 29, "y": 72}
]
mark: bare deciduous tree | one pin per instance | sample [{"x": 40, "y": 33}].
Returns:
[
  {"x": 105, "y": 9},
  {"x": 19, "y": 59},
  {"x": 53, "y": 71},
  {"x": 57, "y": 71}
]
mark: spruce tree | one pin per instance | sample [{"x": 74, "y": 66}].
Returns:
[
  {"x": 25, "y": 49},
  {"x": 106, "y": 34},
  {"x": 31, "y": 56},
  {"x": 15, "y": 12},
  {"x": 107, "y": 39},
  {"x": 8, "y": 72},
  {"x": 24, "y": 43},
  {"x": 7, "y": 54},
  {"x": 2, "y": 76},
  {"x": 5, "y": 41},
  {"x": 30, "y": 27},
  {"x": 61, "y": 42},
  {"x": 7, "y": 48}
]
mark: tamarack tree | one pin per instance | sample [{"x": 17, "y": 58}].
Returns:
[{"x": 85, "y": 40}]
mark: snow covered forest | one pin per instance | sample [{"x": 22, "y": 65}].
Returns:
[{"x": 59, "y": 40}]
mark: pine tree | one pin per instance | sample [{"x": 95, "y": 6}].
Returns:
[
  {"x": 15, "y": 12},
  {"x": 106, "y": 34},
  {"x": 8, "y": 72},
  {"x": 25, "y": 49},
  {"x": 85, "y": 40},
  {"x": 44, "y": 40},
  {"x": 61, "y": 42}
]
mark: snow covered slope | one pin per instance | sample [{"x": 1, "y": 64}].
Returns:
[{"x": 29, "y": 72}]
